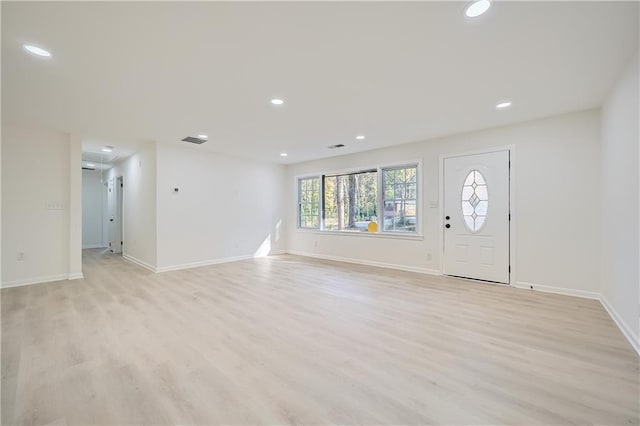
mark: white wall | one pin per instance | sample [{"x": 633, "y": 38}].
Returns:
[
  {"x": 620, "y": 211},
  {"x": 75, "y": 207},
  {"x": 35, "y": 205},
  {"x": 226, "y": 208},
  {"x": 556, "y": 206},
  {"x": 139, "y": 205},
  {"x": 92, "y": 209},
  {"x": 105, "y": 211}
]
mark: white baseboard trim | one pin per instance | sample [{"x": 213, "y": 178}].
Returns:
[
  {"x": 622, "y": 325},
  {"x": 139, "y": 262},
  {"x": 93, "y": 246},
  {"x": 203, "y": 263},
  {"x": 368, "y": 263},
  {"x": 76, "y": 276},
  {"x": 197, "y": 264},
  {"x": 558, "y": 290},
  {"x": 35, "y": 280}
]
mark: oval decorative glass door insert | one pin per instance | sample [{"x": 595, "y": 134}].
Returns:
[{"x": 475, "y": 200}]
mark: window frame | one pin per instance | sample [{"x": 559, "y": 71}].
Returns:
[
  {"x": 299, "y": 202},
  {"x": 336, "y": 175},
  {"x": 381, "y": 200},
  {"x": 379, "y": 204}
]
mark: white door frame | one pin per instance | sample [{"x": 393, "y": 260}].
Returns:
[
  {"x": 116, "y": 215},
  {"x": 120, "y": 211},
  {"x": 512, "y": 209},
  {"x": 105, "y": 231}
]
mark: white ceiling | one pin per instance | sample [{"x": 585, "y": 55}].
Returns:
[{"x": 395, "y": 72}]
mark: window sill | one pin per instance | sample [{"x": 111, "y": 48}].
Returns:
[{"x": 383, "y": 235}]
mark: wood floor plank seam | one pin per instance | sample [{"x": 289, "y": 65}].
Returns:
[{"x": 294, "y": 340}]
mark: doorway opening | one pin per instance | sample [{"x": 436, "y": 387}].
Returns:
[{"x": 95, "y": 190}]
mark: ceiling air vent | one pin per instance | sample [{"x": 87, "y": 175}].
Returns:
[
  {"x": 340, "y": 145},
  {"x": 192, "y": 139}
]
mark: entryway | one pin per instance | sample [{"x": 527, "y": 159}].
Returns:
[{"x": 476, "y": 216}]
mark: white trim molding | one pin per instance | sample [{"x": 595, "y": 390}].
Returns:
[
  {"x": 388, "y": 235},
  {"x": 36, "y": 280},
  {"x": 76, "y": 276},
  {"x": 558, "y": 290},
  {"x": 139, "y": 262},
  {"x": 94, "y": 246},
  {"x": 204, "y": 263},
  {"x": 622, "y": 325},
  {"x": 197, "y": 264},
  {"x": 367, "y": 262}
]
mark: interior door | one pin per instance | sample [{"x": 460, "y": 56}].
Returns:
[
  {"x": 119, "y": 216},
  {"x": 112, "y": 207},
  {"x": 476, "y": 216}
]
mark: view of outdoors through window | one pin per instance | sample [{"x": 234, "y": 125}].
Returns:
[
  {"x": 308, "y": 202},
  {"x": 400, "y": 196},
  {"x": 350, "y": 201}
]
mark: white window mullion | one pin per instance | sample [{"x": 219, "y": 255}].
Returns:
[{"x": 380, "y": 203}]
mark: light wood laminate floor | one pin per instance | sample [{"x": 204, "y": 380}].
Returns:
[{"x": 291, "y": 340}]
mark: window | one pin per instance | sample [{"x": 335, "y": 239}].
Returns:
[
  {"x": 350, "y": 201},
  {"x": 400, "y": 196},
  {"x": 309, "y": 202},
  {"x": 383, "y": 199},
  {"x": 475, "y": 200}
]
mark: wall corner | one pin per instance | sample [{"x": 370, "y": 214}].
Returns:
[{"x": 75, "y": 206}]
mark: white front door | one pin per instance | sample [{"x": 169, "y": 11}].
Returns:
[{"x": 476, "y": 216}]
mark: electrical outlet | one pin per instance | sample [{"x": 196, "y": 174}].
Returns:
[
  {"x": 428, "y": 255},
  {"x": 315, "y": 244},
  {"x": 20, "y": 256}
]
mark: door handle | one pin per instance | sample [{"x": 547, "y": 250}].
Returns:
[
  {"x": 447, "y": 226},
  {"x": 447, "y": 217},
  {"x": 110, "y": 220}
]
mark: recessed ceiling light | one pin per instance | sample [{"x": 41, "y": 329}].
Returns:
[
  {"x": 37, "y": 50},
  {"x": 107, "y": 149},
  {"x": 203, "y": 136},
  {"x": 502, "y": 105},
  {"x": 283, "y": 154},
  {"x": 360, "y": 137},
  {"x": 477, "y": 8},
  {"x": 277, "y": 101}
]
